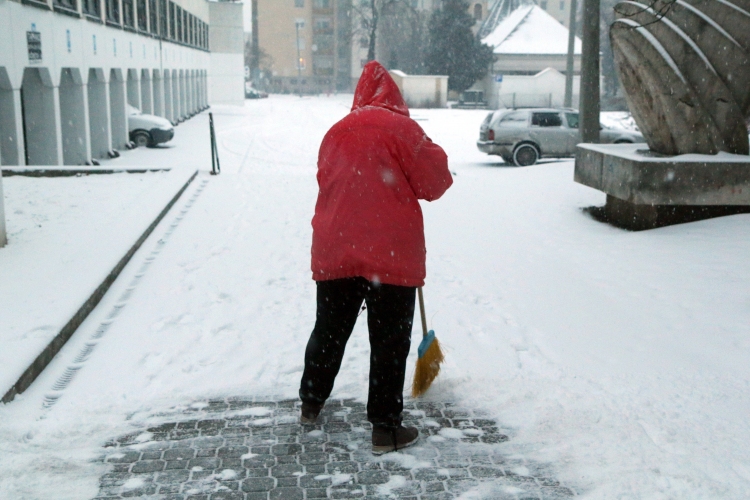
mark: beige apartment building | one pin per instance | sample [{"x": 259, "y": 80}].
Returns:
[{"x": 307, "y": 44}]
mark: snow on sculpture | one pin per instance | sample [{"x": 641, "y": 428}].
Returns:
[{"x": 685, "y": 69}]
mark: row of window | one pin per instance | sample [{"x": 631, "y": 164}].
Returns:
[
  {"x": 160, "y": 18},
  {"x": 318, "y": 4}
]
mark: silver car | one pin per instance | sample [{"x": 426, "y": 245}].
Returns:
[
  {"x": 522, "y": 136},
  {"x": 148, "y": 130}
]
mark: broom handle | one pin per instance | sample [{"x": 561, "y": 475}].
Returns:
[{"x": 421, "y": 312}]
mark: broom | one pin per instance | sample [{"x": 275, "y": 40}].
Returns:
[{"x": 430, "y": 356}]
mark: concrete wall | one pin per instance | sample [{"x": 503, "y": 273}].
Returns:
[
  {"x": 227, "y": 65},
  {"x": 545, "y": 89},
  {"x": 422, "y": 91},
  {"x": 68, "y": 106}
]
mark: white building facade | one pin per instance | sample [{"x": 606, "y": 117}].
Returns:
[{"x": 68, "y": 68}]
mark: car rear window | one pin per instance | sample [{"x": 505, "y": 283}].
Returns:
[
  {"x": 516, "y": 119},
  {"x": 549, "y": 119}
]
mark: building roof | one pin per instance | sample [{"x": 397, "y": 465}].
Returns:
[
  {"x": 499, "y": 11},
  {"x": 530, "y": 30}
]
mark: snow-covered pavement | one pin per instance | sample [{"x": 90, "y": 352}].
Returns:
[{"x": 619, "y": 359}]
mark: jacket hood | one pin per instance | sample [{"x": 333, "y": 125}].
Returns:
[{"x": 377, "y": 88}]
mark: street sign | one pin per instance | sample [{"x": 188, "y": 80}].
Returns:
[{"x": 34, "y": 44}]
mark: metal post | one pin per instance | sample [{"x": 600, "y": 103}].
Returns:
[
  {"x": 590, "y": 105},
  {"x": 299, "y": 61},
  {"x": 3, "y": 237},
  {"x": 215, "y": 167},
  {"x": 570, "y": 66}
]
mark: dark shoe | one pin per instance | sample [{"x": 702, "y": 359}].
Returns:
[
  {"x": 310, "y": 413},
  {"x": 385, "y": 440}
]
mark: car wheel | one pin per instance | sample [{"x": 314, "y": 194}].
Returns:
[
  {"x": 525, "y": 155},
  {"x": 142, "y": 139}
]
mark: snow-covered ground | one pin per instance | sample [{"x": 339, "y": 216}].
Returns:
[{"x": 618, "y": 358}]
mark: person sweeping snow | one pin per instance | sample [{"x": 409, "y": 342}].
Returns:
[{"x": 368, "y": 245}]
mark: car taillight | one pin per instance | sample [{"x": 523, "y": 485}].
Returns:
[{"x": 490, "y": 135}]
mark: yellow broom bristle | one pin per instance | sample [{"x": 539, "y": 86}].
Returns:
[{"x": 428, "y": 367}]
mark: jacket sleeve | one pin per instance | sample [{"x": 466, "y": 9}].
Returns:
[{"x": 425, "y": 165}]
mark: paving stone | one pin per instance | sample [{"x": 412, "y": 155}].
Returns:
[
  {"x": 286, "y": 482},
  {"x": 179, "y": 453},
  {"x": 147, "y": 466},
  {"x": 287, "y": 494},
  {"x": 315, "y": 469},
  {"x": 286, "y": 470},
  {"x": 123, "y": 457},
  {"x": 258, "y": 484},
  {"x": 228, "y": 495},
  {"x": 373, "y": 477},
  {"x": 201, "y": 457}
]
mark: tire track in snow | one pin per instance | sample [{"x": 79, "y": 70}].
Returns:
[{"x": 58, "y": 388}]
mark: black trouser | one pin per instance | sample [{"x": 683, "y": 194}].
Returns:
[{"x": 390, "y": 313}]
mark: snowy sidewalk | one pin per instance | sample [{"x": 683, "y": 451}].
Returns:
[
  {"x": 68, "y": 238},
  {"x": 615, "y": 362}
]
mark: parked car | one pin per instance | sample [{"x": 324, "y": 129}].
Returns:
[
  {"x": 523, "y": 136},
  {"x": 148, "y": 130},
  {"x": 251, "y": 93}
]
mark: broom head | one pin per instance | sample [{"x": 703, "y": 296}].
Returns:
[{"x": 428, "y": 364}]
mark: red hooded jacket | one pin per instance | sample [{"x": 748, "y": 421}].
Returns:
[{"x": 373, "y": 166}]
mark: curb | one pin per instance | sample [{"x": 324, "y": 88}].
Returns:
[
  {"x": 49, "y": 352},
  {"x": 72, "y": 172}
]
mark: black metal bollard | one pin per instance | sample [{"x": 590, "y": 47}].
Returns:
[{"x": 215, "y": 167}]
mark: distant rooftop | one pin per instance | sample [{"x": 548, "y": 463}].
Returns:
[
  {"x": 529, "y": 30},
  {"x": 498, "y": 12}
]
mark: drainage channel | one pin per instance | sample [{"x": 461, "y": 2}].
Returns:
[{"x": 58, "y": 388}]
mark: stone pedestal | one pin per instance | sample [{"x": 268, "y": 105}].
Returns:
[{"x": 645, "y": 190}]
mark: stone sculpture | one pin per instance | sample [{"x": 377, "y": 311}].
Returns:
[{"x": 685, "y": 69}]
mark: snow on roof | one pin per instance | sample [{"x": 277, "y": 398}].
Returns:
[{"x": 530, "y": 30}]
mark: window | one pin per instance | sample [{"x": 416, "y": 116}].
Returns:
[
  {"x": 562, "y": 4},
  {"x": 128, "y": 16},
  {"x": 113, "y": 11},
  {"x": 178, "y": 13},
  {"x": 546, "y": 119},
  {"x": 572, "y": 119},
  {"x": 172, "y": 31},
  {"x": 478, "y": 12},
  {"x": 91, "y": 8},
  {"x": 517, "y": 119},
  {"x": 163, "y": 24},
  {"x": 153, "y": 16},
  {"x": 188, "y": 29},
  {"x": 141, "y": 14},
  {"x": 323, "y": 24},
  {"x": 299, "y": 3},
  {"x": 322, "y": 4},
  {"x": 67, "y": 4},
  {"x": 543, "y": 4}
]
